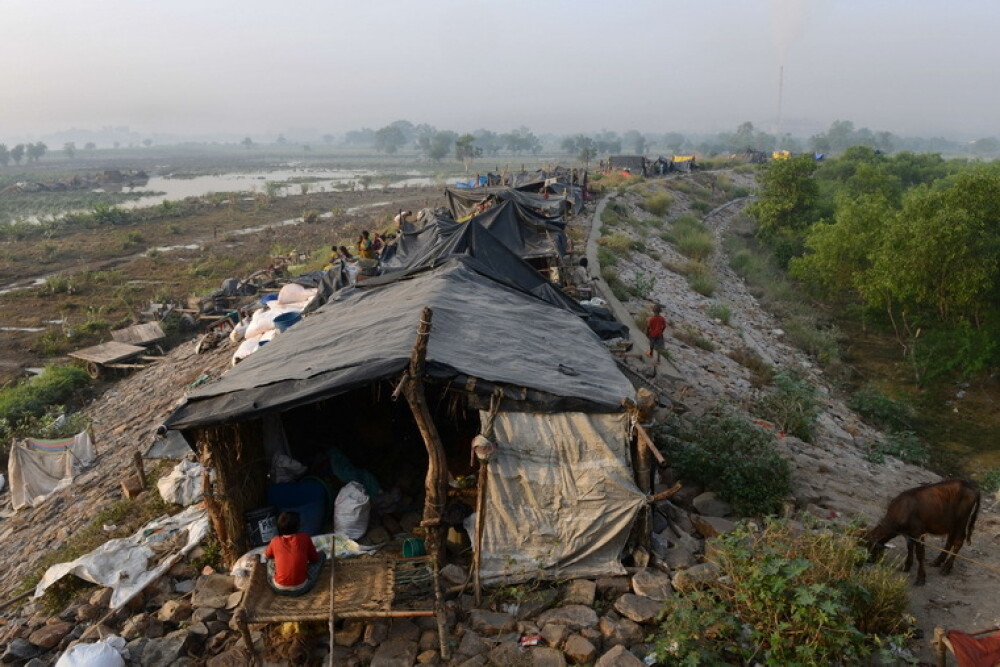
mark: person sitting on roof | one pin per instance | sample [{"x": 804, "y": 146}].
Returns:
[
  {"x": 378, "y": 244},
  {"x": 400, "y": 220},
  {"x": 365, "y": 246},
  {"x": 293, "y": 564},
  {"x": 345, "y": 254}
]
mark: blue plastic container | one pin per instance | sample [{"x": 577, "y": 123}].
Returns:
[
  {"x": 285, "y": 320},
  {"x": 268, "y": 299},
  {"x": 309, "y": 497}
]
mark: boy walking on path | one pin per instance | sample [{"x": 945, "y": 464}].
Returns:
[{"x": 655, "y": 327}]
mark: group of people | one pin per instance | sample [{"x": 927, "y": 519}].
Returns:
[{"x": 371, "y": 244}]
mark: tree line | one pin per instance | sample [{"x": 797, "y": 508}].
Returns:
[
  {"x": 32, "y": 151},
  {"x": 913, "y": 238}
]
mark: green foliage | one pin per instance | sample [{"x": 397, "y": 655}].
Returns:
[
  {"x": 692, "y": 238},
  {"x": 989, "y": 481},
  {"x": 724, "y": 451},
  {"x": 619, "y": 244},
  {"x": 56, "y": 385},
  {"x": 791, "y": 405},
  {"x": 694, "y": 339},
  {"x": 702, "y": 282},
  {"x": 642, "y": 286},
  {"x": 788, "y": 597},
  {"x": 761, "y": 372},
  {"x": 58, "y": 284},
  {"x": 904, "y": 445},
  {"x": 879, "y": 409},
  {"x": 720, "y": 311},
  {"x": 615, "y": 284},
  {"x": 657, "y": 203},
  {"x": 605, "y": 257},
  {"x": 701, "y": 206},
  {"x": 788, "y": 196}
]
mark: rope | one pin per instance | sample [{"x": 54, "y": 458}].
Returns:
[{"x": 981, "y": 564}]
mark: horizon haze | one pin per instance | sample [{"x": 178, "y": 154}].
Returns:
[{"x": 254, "y": 68}]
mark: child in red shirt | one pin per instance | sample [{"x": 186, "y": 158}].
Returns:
[
  {"x": 293, "y": 564},
  {"x": 655, "y": 327}
]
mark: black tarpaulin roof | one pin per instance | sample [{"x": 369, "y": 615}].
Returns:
[
  {"x": 481, "y": 329},
  {"x": 539, "y": 210}
]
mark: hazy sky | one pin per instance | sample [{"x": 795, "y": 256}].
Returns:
[{"x": 245, "y": 66}]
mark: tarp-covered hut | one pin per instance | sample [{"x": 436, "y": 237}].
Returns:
[{"x": 559, "y": 494}]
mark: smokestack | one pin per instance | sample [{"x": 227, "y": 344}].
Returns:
[{"x": 781, "y": 81}]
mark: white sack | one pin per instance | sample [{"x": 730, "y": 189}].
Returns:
[
  {"x": 351, "y": 511},
  {"x": 285, "y": 469},
  {"x": 121, "y": 564},
  {"x": 293, "y": 294},
  {"x": 106, "y": 653},
  {"x": 183, "y": 486}
]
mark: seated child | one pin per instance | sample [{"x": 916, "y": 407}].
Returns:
[{"x": 293, "y": 564}]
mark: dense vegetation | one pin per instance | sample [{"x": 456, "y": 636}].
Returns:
[{"x": 912, "y": 238}]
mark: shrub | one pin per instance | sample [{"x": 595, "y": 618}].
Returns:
[
  {"x": 721, "y": 312},
  {"x": 990, "y": 481},
  {"x": 33, "y": 398},
  {"x": 605, "y": 257},
  {"x": 701, "y": 206},
  {"x": 702, "y": 282},
  {"x": 692, "y": 238},
  {"x": 905, "y": 446},
  {"x": 657, "y": 203},
  {"x": 881, "y": 410},
  {"x": 737, "y": 458},
  {"x": 619, "y": 244},
  {"x": 788, "y": 597},
  {"x": 761, "y": 373},
  {"x": 694, "y": 339},
  {"x": 642, "y": 285},
  {"x": 791, "y": 405},
  {"x": 58, "y": 284}
]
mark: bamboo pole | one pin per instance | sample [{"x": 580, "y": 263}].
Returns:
[
  {"x": 436, "y": 481},
  {"x": 333, "y": 605},
  {"x": 480, "y": 514}
]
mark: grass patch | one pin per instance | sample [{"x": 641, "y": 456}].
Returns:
[
  {"x": 702, "y": 282},
  {"x": 692, "y": 238},
  {"x": 615, "y": 284},
  {"x": 904, "y": 445},
  {"x": 694, "y": 339},
  {"x": 720, "y": 312},
  {"x": 657, "y": 203},
  {"x": 880, "y": 410},
  {"x": 606, "y": 258},
  {"x": 619, "y": 244},
  {"x": 761, "y": 372},
  {"x": 701, "y": 206}
]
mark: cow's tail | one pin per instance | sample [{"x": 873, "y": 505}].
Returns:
[{"x": 972, "y": 521}]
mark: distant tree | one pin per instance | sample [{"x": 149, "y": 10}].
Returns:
[
  {"x": 89, "y": 146},
  {"x": 608, "y": 142},
  {"x": 521, "y": 140},
  {"x": 488, "y": 141},
  {"x": 987, "y": 146},
  {"x": 587, "y": 153},
  {"x": 35, "y": 151},
  {"x": 440, "y": 144},
  {"x": 820, "y": 143},
  {"x": 636, "y": 141},
  {"x": 247, "y": 143},
  {"x": 17, "y": 153},
  {"x": 422, "y": 135},
  {"x": 407, "y": 128},
  {"x": 389, "y": 139},
  {"x": 572, "y": 144},
  {"x": 4, "y": 155},
  {"x": 466, "y": 150},
  {"x": 281, "y": 141},
  {"x": 673, "y": 141},
  {"x": 363, "y": 137},
  {"x": 69, "y": 148},
  {"x": 328, "y": 139},
  {"x": 147, "y": 142}
]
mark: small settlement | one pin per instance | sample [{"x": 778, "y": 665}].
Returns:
[{"x": 452, "y": 407}]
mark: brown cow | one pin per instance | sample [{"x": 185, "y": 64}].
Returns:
[{"x": 947, "y": 508}]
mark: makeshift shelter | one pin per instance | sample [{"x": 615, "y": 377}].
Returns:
[
  {"x": 548, "y": 210},
  {"x": 38, "y": 468},
  {"x": 635, "y": 164},
  {"x": 556, "y": 500},
  {"x": 683, "y": 163}
]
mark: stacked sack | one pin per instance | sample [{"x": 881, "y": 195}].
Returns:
[{"x": 261, "y": 328}]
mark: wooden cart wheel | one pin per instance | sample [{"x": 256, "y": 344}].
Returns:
[{"x": 94, "y": 369}]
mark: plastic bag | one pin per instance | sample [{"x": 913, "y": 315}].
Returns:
[
  {"x": 106, "y": 653},
  {"x": 351, "y": 511},
  {"x": 183, "y": 486},
  {"x": 286, "y": 469}
]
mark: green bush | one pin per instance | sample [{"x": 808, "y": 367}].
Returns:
[
  {"x": 737, "y": 458},
  {"x": 692, "y": 238},
  {"x": 904, "y": 445},
  {"x": 605, "y": 257},
  {"x": 879, "y": 409},
  {"x": 701, "y": 206},
  {"x": 55, "y": 385},
  {"x": 702, "y": 282},
  {"x": 788, "y": 597},
  {"x": 721, "y": 312},
  {"x": 791, "y": 405},
  {"x": 989, "y": 482},
  {"x": 657, "y": 203},
  {"x": 619, "y": 244},
  {"x": 761, "y": 372}
]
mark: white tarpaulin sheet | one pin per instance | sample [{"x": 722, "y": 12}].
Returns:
[
  {"x": 129, "y": 564},
  {"x": 560, "y": 499},
  {"x": 39, "y": 468}
]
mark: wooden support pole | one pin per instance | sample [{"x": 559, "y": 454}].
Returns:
[
  {"x": 436, "y": 482},
  {"x": 477, "y": 553},
  {"x": 333, "y": 604}
]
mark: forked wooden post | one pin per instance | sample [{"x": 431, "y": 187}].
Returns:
[{"x": 436, "y": 482}]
